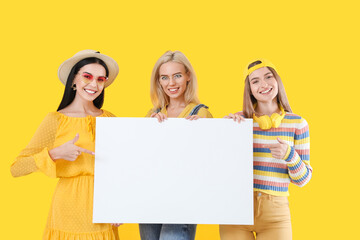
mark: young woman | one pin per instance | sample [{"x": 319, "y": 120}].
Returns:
[
  {"x": 281, "y": 154},
  {"x": 63, "y": 147},
  {"x": 173, "y": 94}
]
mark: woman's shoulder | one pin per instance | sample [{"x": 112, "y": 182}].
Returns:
[
  {"x": 202, "y": 110},
  {"x": 50, "y": 121},
  {"x": 52, "y": 116},
  {"x": 295, "y": 119},
  {"x": 107, "y": 114},
  {"x": 294, "y": 116}
]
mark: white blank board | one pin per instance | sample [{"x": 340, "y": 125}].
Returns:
[{"x": 178, "y": 171}]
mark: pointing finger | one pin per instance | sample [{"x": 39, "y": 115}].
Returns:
[
  {"x": 274, "y": 146},
  {"x": 85, "y": 150}
]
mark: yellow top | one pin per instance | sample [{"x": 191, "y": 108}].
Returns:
[
  {"x": 70, "y": 215},
  {"x": 55, "y": 130},
  {"x": 203, "y": 112}
]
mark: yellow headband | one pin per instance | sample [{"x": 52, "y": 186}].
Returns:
[{"x": 264, "y": 63}]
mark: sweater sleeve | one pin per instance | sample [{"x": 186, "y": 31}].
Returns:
[
  {"x": 35, "y": 157},
  {"x": 298, "y": 156}
]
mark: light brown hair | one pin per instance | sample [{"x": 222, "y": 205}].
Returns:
[{"x": 249, "y": 100}]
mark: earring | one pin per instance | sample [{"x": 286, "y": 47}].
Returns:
[{"x": 74, "y": 87}]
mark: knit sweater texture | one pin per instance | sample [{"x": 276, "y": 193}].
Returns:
[{"x": 272, "y": 175}]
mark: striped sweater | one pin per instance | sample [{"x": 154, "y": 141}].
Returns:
[{"x": 272, "y": 175}]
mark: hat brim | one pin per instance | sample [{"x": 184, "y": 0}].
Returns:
[{"x": 67, "y": 65}]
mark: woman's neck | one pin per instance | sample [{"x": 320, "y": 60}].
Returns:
[
  {"x": 176, "y": 103},
  {"x": 267, "y": 108},
  {"x": 81, "y": 107}
]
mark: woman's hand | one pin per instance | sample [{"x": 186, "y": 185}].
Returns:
[
  {"x": 68, "y": 151},
  {"x": 278, "y": 150},
  {"x": 116, "y": 224},
  {"x": 193, "y": 117},
  {"x": 236, "y": 117},
  {"x": 160, "y": 116}
]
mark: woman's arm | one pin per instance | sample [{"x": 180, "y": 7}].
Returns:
[
  {"x": 35, "y": 157},
  {"x": 298, "y": 157}
]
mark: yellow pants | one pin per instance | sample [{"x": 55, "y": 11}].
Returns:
[{"x": 271, "y": 221}]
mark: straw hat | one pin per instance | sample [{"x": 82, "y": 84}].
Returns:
[{"x": 67, "y": 65}]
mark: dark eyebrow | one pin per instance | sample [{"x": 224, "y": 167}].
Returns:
[{"x": 92, "y": 74}]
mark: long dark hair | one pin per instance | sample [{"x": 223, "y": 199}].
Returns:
[{"x": 69, "y": 92}]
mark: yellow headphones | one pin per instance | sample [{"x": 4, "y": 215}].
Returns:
[{"x": 265, "y": 122}]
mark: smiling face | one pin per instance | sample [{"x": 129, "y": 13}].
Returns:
[
  {"x": 263, "y": 85},
  {"x": 173, "y": 79},
  {"x": 90, "y": 81}
]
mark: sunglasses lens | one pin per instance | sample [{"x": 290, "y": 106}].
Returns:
[
  {"x": 101, "y": 80},
  {"x": 87, "y": 78}
]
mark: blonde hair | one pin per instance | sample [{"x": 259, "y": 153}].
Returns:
[
  {"x": 157, "y": 94},
  {"x": 249, "y": 100}
]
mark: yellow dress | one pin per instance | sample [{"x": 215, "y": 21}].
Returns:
[
  {"x": 70, "y": 216},
  {"x": 203, "y": 112}
]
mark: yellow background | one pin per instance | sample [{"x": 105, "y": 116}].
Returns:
[{"x": 314, "y": 44}]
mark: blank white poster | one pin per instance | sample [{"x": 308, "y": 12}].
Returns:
[{"x": 178, "y": 171}]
